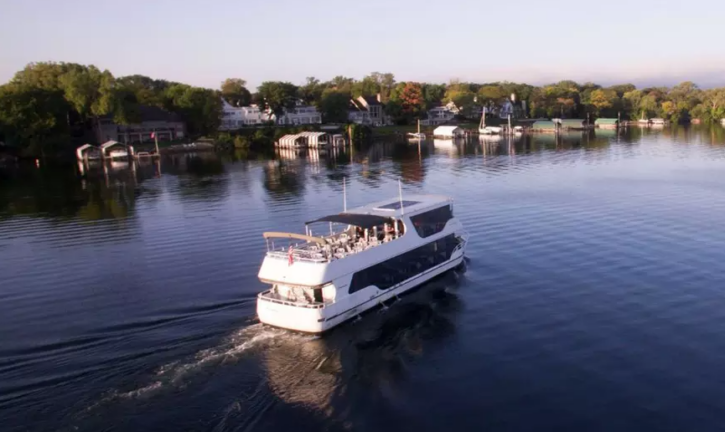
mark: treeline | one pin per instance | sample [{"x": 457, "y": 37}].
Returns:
[
  {"x": 53, "y": 106},
  {"x": 47, "y": 107}
]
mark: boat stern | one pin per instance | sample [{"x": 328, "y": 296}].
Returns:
[{"x": 292, "y": 316}]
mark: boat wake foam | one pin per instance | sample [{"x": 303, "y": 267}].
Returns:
[{"x": 173, "y": 375}]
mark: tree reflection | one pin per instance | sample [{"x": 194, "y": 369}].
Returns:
[
  {"x": 58, "y": 192},
  {"x": 284, "y": 178}
]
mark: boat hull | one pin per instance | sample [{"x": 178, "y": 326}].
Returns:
[{"x": 320, "y": 320}]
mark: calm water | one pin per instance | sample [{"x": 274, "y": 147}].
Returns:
[{"x": 594, "y": 297}]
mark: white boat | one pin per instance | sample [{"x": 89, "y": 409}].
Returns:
[
  {"x": 487, "y": 130},
  {"x": 416, "y": 136},
  {"x": 379, "y": 251}
]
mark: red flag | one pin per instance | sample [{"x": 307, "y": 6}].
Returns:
[{"x": 291, "y": 258}]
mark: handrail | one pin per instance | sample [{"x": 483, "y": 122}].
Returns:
[
  {"x": 317, "y": 240},
  {"x": 289, "y": 303}
]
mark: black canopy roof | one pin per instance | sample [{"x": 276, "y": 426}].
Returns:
[{"x": 358, "y": 220}]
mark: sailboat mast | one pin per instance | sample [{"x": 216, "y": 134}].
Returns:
[{"x": 344, "y": 195}]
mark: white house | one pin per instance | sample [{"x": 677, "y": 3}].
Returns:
[
  {"x": 448, "y": 132},
  {"x": 238, "y": 117},
  {"x": 722, "y": 121},
  {"x": 440, "y": 115},
  {"x": 367, "y": 110},
  {"x": 299, "y": 115},
  {"x": 513, "y": 108}
]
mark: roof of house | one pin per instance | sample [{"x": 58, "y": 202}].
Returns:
[
  {"x": 371, "y": 100},
  {"x": 606, "y": 121},
  {"x": 356, "y": 106}
]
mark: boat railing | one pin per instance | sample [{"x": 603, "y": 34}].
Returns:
[
  {"x": 270, "y": 297},
  {"x": 336, "y": 247}
]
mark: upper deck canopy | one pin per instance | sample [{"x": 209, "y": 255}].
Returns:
[{"x": 355, "y": 219}]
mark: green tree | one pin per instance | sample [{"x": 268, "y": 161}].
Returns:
[
  {"x": 277, "y": 96},
  {"x": 461, "y": 95},
  {"x": 648, "y": 105},
  {"x": 200, "y": 108},
  {"x": 334, "y": 106},
  {"x": 713, "y": 102},
  {"x": 602, "y": 100},
  {"x": 341, "y": 83},
  {"x": 621, "y": 89},
  {"x": 33, "y": 119},
  {"x": 492, "y": 96},
  {"x": 235, "y": 92},
  {"x": 631, "y": 101},
  {"x": 433, "y": 94},
  {"x": 311, "y": 92}
]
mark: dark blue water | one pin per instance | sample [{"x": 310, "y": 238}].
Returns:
[{"x": 594, "y": 297}]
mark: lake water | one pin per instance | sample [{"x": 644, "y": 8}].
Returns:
[{"x": 594, "y": 297}]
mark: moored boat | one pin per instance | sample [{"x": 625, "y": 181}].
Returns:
[{"x": 365, "y": 257}]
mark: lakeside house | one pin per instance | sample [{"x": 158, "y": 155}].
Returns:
[
  {"x": 658, "y": 121},
  {"x": 439, "y": 115},
  {"x": 606, "y": 123},
  {"x": 301, "y": 114},
  {"x": 367, "y": 110},
  {"x": 448, "y": 132},
  {"x": 512, "y": 107},
  {"x": 166, "y": 125},
  {"x": 238, "y": 117}
]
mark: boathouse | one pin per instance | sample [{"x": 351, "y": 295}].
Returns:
[
  {"x": 291, "y": 141},
  {"x": 448, "y": 132},
  {"x": 116, "y": 150},
  {"x": 607, "y": 123},
  {"x": 658, "y": 121},
  {"x": 304, "y": 139},
  {"x": 88, "y": 152},
  {"x": 544, "y": 126},
  {"x": 315, "y": 139},
  {"x": 572, "y": 124}
]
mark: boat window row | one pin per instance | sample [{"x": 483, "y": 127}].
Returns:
[
  {"x": 433, "y": 221},
  {"x": 398, "y": 269}
]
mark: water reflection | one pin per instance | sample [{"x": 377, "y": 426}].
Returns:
[
  {"x": 347, "y": 368},
  {"x": 109, "y": 190}
]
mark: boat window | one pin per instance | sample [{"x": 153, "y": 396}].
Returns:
[
  {"x": 433, "y": 221},
  {"x": 389, "y": 273}
]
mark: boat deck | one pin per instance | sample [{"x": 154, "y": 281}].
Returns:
[{"x": 337, "y": 246}]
